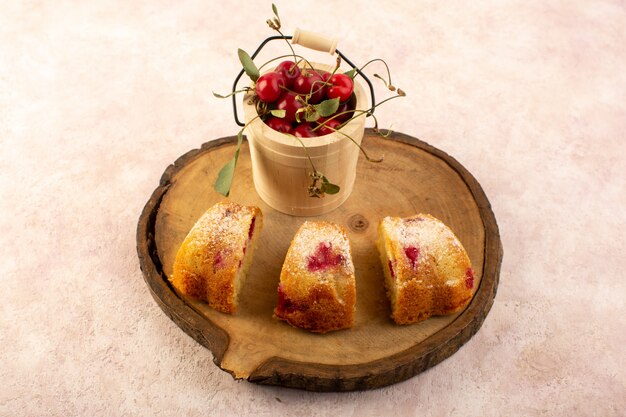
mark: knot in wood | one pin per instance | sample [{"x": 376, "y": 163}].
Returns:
[{"x": 358, "y": 223}]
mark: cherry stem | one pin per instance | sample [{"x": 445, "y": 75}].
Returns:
[
  {"x": 316, "y": 175},
  {"x": 360, "y": 148},
  {"x": 298, "y": 60},
  {"x": 386, "y": 67},
  {"x": 381, "y": 102},
  {"x": 325, "y": 83},
  {"x": 306, "y": 152},
  {"x": 243, "y": 90},
  {"x": 288, "y": 44}
]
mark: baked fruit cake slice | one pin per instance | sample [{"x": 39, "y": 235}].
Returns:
[
  {"x": 212, "y": 263},
  {"x": 317, "y": 289},
  {"x": 427, "y": 271}
]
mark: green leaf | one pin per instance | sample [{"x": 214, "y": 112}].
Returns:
[
  {"x": 327, "y": 107},
  {"x": 225, "y": 177},
  {"x": 331, "y": 188},
  {"x": 278, "y": 113},
  {"x": 328, "y": 187},
  {"x": 311, "y": 116},
  {"x": 351, "y": 73},
  {"x": 248, "y": 65},
  {"x": 275, "y": 10}
]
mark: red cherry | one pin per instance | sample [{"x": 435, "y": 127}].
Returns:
[
  {"x": 412, "y": 253},
  {"x": 289, "y": 103},
  {"x": 324, "y": 258},
  {"x": 304, "y": 130},
  {"x": 328, "y": 126},
  {"x": 309, "y": 82},
  {"x": 268, "y": 87},
  {"x": 343, "y": 111},
  {"x": 469, "y": 278},
  {"x": 286, "y": 305},
  {"x": 289, "y": 70},
  {"x": 279, "y": 124},
  {"x": 251, "y": 228},
  {"x": 341, "y": 86}
]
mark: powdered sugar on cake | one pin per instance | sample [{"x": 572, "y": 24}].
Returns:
[
  {"x": 317, "y": 289},
  {"x": 321, "y": 247},
  {"x": 212, "y": 262},
  {"x": 427, "y": 271},
  {"x": 226, "y": 227},
  {"x": 419, "y": 237},
  {"x": 409, "y": 232}
]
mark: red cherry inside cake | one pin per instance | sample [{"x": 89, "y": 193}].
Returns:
[
  {"x": 213, "y": 260},
  {"x": 317, "y": 290},
  {"x": 427, "y": 271}
]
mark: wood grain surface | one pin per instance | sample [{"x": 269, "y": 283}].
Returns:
[{"x": 413, "y": 178}]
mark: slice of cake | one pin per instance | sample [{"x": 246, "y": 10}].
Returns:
[
  {"x": 427, "y": 271},
  {"x": 212, "y": 263},
  {"x": 317, "y": 289}
]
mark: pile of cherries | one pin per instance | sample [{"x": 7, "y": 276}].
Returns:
[{"x": 291, "y": 88}]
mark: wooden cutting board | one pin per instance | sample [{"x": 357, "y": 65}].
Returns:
[{"x": 414, "y": 177}]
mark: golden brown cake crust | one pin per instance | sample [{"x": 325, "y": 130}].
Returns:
[
  {"x": 317, "y": 289},
  {"x": 210, "y": 257},
  {"x": 427, "y": 269}
]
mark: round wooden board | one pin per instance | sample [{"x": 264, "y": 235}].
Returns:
[{"x": 414, "y": 177}]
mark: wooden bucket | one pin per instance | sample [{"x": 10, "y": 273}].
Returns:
[{"x": 282, "y": 172}]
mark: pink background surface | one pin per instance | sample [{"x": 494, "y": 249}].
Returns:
[{"x": 98, "y": 97}]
